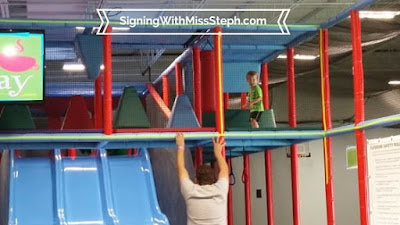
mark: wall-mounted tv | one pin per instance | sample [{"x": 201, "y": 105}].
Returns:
[{"x": 21, "y": 66}]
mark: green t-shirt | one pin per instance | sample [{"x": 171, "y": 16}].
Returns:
[{"x": 254, "y": 93}]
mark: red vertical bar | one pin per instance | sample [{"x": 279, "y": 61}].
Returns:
[
  {"x": 243, "y": 100},
  {"x": 178, "y": 79},
  {"x": 165, "y": 89},
  {"x": 197, "y": 83},
  {"x": 267, "y": 154},
  {"x": 219, "y": 112},
  {"x": 293, "y": 148},
  {"x": 264, "y": 84},
  {"x": 226, "y": 100},
  {"x": 98, "y": 103},
  {"x": 107, "y": 51},
  {"x": 246, "y": 172},
  {"x": 230, "y": 198},
  {"x": 197, "y": 99},
  {"x": 72, "y": 153},
  {"x": 230, "y": 201},
  {"x": 198, "y": 157},
  {"x": 246, "y": 181},
  {"x": 358, "y": 79},
  {"x": 327, "y": 124},
  {"x": 268, "y": 187}
]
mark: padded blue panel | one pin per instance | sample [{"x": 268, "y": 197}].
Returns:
[
  {"x": 183, "y": 114},
  {"x": 169, "y": 194},
  {"x": 235, "y": 76},
  {"x": 91, "y": 47},
  {"x": 4, "y": 186},
  {"x": 164, "y": 166}
]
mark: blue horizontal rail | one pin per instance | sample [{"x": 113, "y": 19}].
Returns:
[
  {"x": 167, "y": 139},
  {"x": 66, "y": 89}
]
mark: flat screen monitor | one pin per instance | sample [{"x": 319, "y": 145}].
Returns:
[{"x": 21, "y": 66}]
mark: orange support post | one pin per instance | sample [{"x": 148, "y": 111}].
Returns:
[
  {"x": 327, "y": 124},
  {"x": 293, "y": 148},
  {"x": 267, "y": 154},
  {"x": 165, "y": 90},
  {"x": 178, "y": 79},
  {"x": 219, "y": 111},
  {"x": 358, "y": 79},
  {"x": 107, "y": 51}
]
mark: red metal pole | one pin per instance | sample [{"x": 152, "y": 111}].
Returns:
[
  {"x": 264, "y": 85},
  {"x": 243, "y": 100},
  {"x": 226, "y": 100},
  {"x": 158, "y": 100},
  {"x": 246, "y": 181},
  {"x": 219, "y": 111},
  {"x": 197, "y": 83},
  {"x": 165, "y": 89},
  {"x": 197, "y": 100},
  {"x": 230, "y": 198},
  {"x": 246, "y": 172},
  {"x": 72, "y": 153},
  {"x": 98, "y": 103},
  {"x": 327, "y": 124},
  {"x": 107, "y": 55},
  {"x": 267, "y": 154},
  {"x": 178, "y": 79},
  {"x": 358, "y": 79},
  {"x": 293, "y": 148}
]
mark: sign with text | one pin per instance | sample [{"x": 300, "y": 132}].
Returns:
[
  {"x": 173, "y": 21},
  {"x": 21, "y": 67},
  {"x": 384, "y": 180}
]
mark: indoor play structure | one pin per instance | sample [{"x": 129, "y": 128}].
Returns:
[{"x": 117, "y": 166}]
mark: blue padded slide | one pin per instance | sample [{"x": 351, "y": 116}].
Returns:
[{"x": 82, "y": 191}]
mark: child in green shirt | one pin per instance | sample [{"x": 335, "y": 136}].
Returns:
[{"x": 254, "y": 103}]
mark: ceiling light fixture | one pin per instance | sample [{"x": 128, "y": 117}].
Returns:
[
  {"x": 73, "y": 67},
  {"x": 394, "y": 82},
  {"x": 120, "y": 28},
  {"x": 379, "y": 14},
  {"x": 80, "y": 28},
  {"x": 300, "y": 57}
]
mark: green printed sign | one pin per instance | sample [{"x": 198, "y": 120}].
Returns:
[
  {"x": 21, "y": 67},
  {"x": 351, "y": 157}
]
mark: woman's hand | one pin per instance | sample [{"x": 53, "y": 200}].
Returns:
[
  {"x": 180, "y": 139},
  {"x": 218, "y": 143}
]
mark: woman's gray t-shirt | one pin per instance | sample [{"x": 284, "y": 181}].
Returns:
[{"x": 205, "y": 204}]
